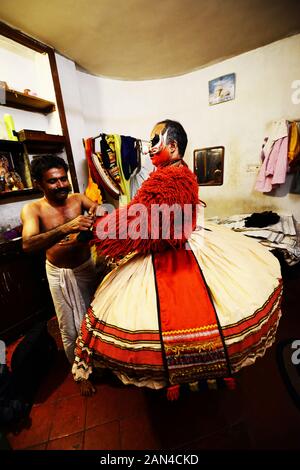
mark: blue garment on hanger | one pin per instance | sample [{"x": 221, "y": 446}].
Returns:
[{"x": 129, "y": 156}]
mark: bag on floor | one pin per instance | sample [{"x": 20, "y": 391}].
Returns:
[
  {"x": 12, "y": 409},
  {"x": 29, "y": 364}
]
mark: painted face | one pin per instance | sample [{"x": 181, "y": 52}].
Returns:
[
  {"x": 55, "y": 184},
  {"x": 159, "y": 152}
]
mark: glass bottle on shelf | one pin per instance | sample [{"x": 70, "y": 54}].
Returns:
[{"x": 2, "y": 182}]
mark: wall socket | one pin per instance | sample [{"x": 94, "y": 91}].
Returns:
[{"x": 252, "y": 167}]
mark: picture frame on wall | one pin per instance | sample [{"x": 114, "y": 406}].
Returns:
[
  {"x": 221, "y": 89},
  {"x": 209, "y": 166}
]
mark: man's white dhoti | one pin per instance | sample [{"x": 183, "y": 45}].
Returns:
[{"x": 72, "y": 291}]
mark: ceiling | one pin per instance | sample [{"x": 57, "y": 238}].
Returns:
[{"x": 146, "y": 39}]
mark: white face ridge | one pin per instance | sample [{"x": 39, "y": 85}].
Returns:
[{"x": 160, "y": 144}]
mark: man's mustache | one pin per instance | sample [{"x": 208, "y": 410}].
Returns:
[{"x": 62, "y": 190}]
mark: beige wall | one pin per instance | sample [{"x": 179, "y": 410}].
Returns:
[{"x": 264, "y": 79}]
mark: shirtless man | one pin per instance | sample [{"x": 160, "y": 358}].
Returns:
[{"x": 52, "y": 224}]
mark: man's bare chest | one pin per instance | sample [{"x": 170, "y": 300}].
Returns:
[{"x": 52, "y": 217}]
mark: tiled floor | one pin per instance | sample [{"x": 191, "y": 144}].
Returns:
[{"x": 258, "y": 414}]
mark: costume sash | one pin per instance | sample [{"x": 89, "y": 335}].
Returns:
[{"x": 192, "y": 343}]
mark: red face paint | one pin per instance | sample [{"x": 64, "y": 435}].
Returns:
[{"x": 161, "y": 158}]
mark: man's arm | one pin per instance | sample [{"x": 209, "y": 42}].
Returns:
[{"x": 33, "y": 240}]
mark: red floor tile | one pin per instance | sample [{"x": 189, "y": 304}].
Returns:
[
  {"x": 103, "y": 406},
  {"x": 230, "y": 438},
  {"x": 273, "y": 420},
  {"x": 194, "y": 415},
  {"x": 57, "y": 377},
  {"x": 68, "y": 417},
  {"x": 72, "y": 442},
  {"x": 133, "y": 401},
  {"x": 137, "y": 433},
  {"x": 38, "y": 447},
  {"x": 38, "y": 430},
  {"x": 68, "y": 387},
  {"x": 258, "y": 414},
  {"x": 104, "y": 437},
  {"x": 65, "y": 389}
]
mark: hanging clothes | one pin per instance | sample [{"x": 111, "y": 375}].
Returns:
[
  {"x": 117, "y": 167},
  {"x": 294, "y": 143},
  {"x": 125, "y": 185},
  {"x": 295, "y": 186},
  {"x": 129, "y": 155},
  {"x": 275, "y": 158},
  {"x": 107, "y": 157},
  {"x": 92, "y": 191},
  {"x": 104, "y": 166},
  {"x": 138, "y": 177}
]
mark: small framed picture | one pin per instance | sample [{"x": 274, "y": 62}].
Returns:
[{"x": 221, "y": 89}]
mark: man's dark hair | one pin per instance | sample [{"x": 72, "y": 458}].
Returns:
[
  {"x": 43, "y": 163},
  {"x": 175, "y": 132}
]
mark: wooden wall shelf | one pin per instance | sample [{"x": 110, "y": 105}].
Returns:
[
  {"x": 16, "y": 99},
  {"x": 47, "y": 143},
  {"x": 26, "y": 193},
  {"x": 44, "y": 146},
  {"x": 41, "y": 142}
]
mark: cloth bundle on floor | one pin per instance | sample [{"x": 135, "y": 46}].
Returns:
[
  {"x": 262, "y": 219},
  {"x": 29, "y": 364}
]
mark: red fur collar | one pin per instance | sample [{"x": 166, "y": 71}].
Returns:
[{"x": 169, "y": 185}]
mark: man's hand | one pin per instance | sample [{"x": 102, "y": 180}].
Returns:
[
  {"x": 92, "y": 211},
  {"x": 79, "y": 224}
]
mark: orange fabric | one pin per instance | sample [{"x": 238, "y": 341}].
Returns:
[
  {"x": 192, "y": 343},
  {"x": 133, "y": 357},
  {"x": 179, "y": 306},
  {"x": 294, "y": 142},
  {"x": 92, "y": 191}
]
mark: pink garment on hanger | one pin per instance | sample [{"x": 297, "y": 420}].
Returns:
[{"x": 274, "y": 168}]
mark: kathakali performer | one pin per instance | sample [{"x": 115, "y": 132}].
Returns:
[{"x": 193, "y": 304}]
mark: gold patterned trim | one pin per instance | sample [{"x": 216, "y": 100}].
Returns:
[{"x": 191, "y": 330}]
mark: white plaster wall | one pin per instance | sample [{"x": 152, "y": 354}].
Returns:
[
  {"x": 10, "y": 214},
  {"x": 69, "y": 84},
  {"x": 264, "y": 79},
  {"x": 23, "y": 68}
]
